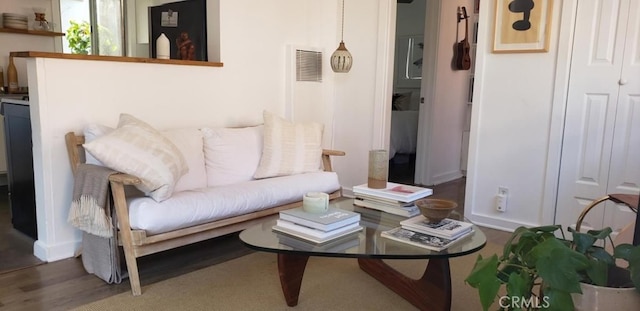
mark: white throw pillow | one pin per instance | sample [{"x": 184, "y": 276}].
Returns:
[
  {"x": 138, "y": 149},
  {"x": 289, "y": 148},
  {"x": 232, "y": 154},
  {"x": 91, "y": 132},
  {"x": 190, "y": 142}
]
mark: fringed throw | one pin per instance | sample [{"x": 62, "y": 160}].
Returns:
[{"x": 91, "y": 212}]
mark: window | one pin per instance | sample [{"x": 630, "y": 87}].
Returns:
[{"x": 93, "y": 27}]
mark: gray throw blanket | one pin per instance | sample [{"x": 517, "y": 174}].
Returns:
[{"x": 91, "y": 212}]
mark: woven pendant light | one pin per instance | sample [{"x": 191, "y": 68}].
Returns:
[{"x": 341, "y": 59}]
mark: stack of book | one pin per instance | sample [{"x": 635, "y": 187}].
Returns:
[
  {"x": 420, "y": 232},
  {"x": 318, "y": 228},
  {"x": 395, "y": 199}
]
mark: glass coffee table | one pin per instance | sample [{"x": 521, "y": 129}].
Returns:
[{"x": 430, "y": 292}]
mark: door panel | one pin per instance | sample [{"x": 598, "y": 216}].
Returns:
[
  {"x": 624, "y": 176},
  {"x": 592, "y": 101}
]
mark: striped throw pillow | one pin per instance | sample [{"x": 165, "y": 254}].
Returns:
[
  {"x": 138, "y": 149},
  {"x": 289, "y": 148}
]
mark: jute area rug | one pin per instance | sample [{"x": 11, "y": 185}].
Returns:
[{"x": 251, "y": 283}]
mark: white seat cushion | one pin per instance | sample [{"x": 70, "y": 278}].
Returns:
[{"x": 194, "y": 207}]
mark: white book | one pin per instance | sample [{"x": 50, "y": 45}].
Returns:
[
  {"x": 394, "y": 191},
  {"x": 319, "y": 234},
  {"x": 311, "y": 238},
  {"x": 446, "y": 228},
  {"x": 420, "y": 239},
  {"x": 336, "y": 245},
  {"x": 332, "y": 219},
  {"x": 383, "y": 200},
  {"x": 406, "y": 211}
]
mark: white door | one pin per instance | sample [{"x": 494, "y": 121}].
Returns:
[
  {"x": 601, "y": 139},
  {"x": 624, "y": 174}
]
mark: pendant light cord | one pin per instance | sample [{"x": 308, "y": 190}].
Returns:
[{"x": 342, "y": 27}]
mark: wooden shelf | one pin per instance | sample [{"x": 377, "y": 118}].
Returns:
[
  {"x": 115, "y": 59},
  {"x": 32, "y": 32}
]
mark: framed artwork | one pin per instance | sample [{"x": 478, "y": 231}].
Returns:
[
  {"x": 185, "y": 24},
  {"x": 409, "y": 50},
  {"x": 522, "y": 26}
]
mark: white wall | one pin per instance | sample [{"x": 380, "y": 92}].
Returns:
[
  {"x": 449, "y": 101},
  {"x": 10, "y": 42},
  {"x": 254, "y": 39},
  {"x": 514, "y": 138}
]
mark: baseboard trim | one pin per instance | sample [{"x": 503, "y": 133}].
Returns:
[
  {"x": 496, "y": 223},
  {"x": 449, "y": 176},
  {"x": 54, "y": 253}
]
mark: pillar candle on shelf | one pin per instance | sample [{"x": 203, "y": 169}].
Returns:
[{"x": 162, "y": 47}]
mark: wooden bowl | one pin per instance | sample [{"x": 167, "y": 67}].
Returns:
[{"x": 436, "y": 210}]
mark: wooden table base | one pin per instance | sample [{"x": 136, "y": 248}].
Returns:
[{"x": 431, "y": 292}]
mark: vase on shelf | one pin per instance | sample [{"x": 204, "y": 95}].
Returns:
[{"x": 12, "y": 77}]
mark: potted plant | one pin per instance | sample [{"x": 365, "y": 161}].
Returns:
[{"x": 540, "y": 269}]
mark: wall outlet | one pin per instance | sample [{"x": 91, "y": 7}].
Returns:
[{"x": 501, "y": 199}]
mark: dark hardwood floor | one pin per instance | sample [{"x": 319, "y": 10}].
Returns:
[
  {"x": 16, "y": 248},
  {"x": 64, "y": 284}
]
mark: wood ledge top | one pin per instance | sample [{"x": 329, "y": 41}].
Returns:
[{"x": 115, "y": 58}]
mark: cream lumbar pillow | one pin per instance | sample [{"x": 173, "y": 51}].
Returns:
[
  {"x": 138, "y": 149},
  {"x": 289, "y": 148}
]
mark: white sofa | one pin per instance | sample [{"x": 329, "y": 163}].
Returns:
[{"x": 218, "y": 194}]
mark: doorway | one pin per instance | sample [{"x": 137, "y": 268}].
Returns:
[{"x": 407, "y": 84}]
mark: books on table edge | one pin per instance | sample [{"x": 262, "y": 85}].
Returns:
[
  {"x": 382, "y": 200},
  {"x": 334, "y": 218},
  {"x": 406, "y": 211},
  {"x": 336, "y": 245},
  {"x": 395, "y": 191},
  {"x": 319, "y": 241},
  {"x": 318, "y": 234},
  {"x": 377, "y": 219},
  {"x": 447, "y": 228},
  {"x": 421, "y": 239}
]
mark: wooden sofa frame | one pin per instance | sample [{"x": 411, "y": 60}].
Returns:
[{"x": 136, "y": 243}]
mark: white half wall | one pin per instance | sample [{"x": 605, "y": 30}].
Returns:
[{"x": 254, "y": 40}]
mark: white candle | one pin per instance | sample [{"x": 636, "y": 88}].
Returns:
[
  {"x": 162, "y": 47},
  {"x": 315, "y": 202}
]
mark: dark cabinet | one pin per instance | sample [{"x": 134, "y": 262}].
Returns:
[{"x": 17, "y": 134}]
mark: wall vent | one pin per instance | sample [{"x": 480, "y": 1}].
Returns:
[{"x": 308, "y": 66}]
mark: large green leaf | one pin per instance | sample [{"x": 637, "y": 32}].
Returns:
[
  {"x": 549, "y": 228},
  {"x": 631, "y": 254},
  {"x": 600, "y": 234},
  {"x": 598, "y": 272},
  {"x": 555, "y": 300},
  {"x": 483, "y": 277},
  {"x": 601, "y": 254},
  {"x": 509, "y": 244},
  {"x": 582, "y": 241},
  {"x": 519, "y": 284},
  {"x": 558, "y": 266},
  {"x": 543, "y": 249}
]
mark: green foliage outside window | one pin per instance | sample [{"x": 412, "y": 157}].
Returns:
[{"x": 79, "y": 37}]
